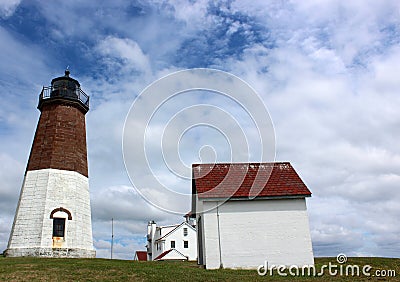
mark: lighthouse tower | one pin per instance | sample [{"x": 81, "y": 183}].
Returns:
[{"x": 53, "y": 217}]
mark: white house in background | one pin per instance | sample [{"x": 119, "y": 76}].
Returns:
[
  {"x": 264, "y": 219},
  {"x": 172, "y": 242}
]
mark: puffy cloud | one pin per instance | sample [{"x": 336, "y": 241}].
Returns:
[
  {"x": 7, "y": 7},
  {"x": 123, "y": 203},
  {"x": 120, "y": 52},
  {"x": 329, "y": 80}
]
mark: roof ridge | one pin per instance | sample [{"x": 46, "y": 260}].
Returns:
[
  {"x": 160, "y": 256},
  {"x": 163, "y": 254},
  {"x": 242, "y": 163},
  {"x": 173, "y": 230},
  {"x": 170, "y": 225},
  {"x": 179, "y": 252}
]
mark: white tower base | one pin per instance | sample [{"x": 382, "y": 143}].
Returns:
[{"x": 47, "y": 196}]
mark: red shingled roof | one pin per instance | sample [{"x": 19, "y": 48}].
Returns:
[
  {"x": 163, "y": 254},
  {"x": 241, "y": 180},
  {"x": 141, "y": 255}
]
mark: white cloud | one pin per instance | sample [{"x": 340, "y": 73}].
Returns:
[
  {"x": 122, "y": 248},
  {"x": 130, "y": 213},
  {"x": 193, "y": 13},
  {"x": 122, "y": 203},
  {"x": 116, "y": 49},
  {"x": 7, "y": 7},
  {"x": 336, "y": 120},
  {"x": 329, "y": 79}
]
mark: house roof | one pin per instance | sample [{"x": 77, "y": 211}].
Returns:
[
  {"x": 244, "y": 180},
  {"x": 178, "y": 254},
  {"x": 163, "y": 254},
  {"x": 173, "y": 230},
  {"x": 141, "y": 255}
]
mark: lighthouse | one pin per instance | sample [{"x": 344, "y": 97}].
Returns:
[{"x": 53, "y": 216}]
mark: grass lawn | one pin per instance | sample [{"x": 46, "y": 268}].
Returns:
[{"x": 42, "y": 269}]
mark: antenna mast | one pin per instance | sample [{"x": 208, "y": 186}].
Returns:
[{"x": 112, "y": 236}]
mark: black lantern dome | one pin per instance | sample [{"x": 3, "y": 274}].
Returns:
[{"x": 64, "y": 88}]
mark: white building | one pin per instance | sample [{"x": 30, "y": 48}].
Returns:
[
  {"x": 249, "y": 214},
  {"x": 175, "y": 242}
]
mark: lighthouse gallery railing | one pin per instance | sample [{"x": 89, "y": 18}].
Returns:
[{"x": 52, "y": 92}]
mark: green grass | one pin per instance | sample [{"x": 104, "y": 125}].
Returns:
[{"x": 42, "y": 269}]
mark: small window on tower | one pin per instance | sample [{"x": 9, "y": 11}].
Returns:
[
  {"x": 58, "y": 227},
  {"x": 172, "y": 244},
  {"x": 186, "y": 244},
  {"x": 185, "y": 231}
]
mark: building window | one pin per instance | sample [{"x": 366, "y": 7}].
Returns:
[
  {"x": 58, "y": 227},
  {"x": 185, "y": 231},
  {"x": 186, "y": 244},
  {"x": 172, "y": 244}
]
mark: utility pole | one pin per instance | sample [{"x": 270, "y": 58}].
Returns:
[{"x": 112, "y": 236}]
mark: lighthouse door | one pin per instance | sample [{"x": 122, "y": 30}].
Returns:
[
  {"x": 58, "y": 232},
  {"x": 58, "y": 227}
]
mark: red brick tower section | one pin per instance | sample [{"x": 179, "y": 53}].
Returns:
[{"x": 60, "y": 138}]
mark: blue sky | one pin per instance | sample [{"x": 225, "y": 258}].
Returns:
[{"x": 326, "y": 70}]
